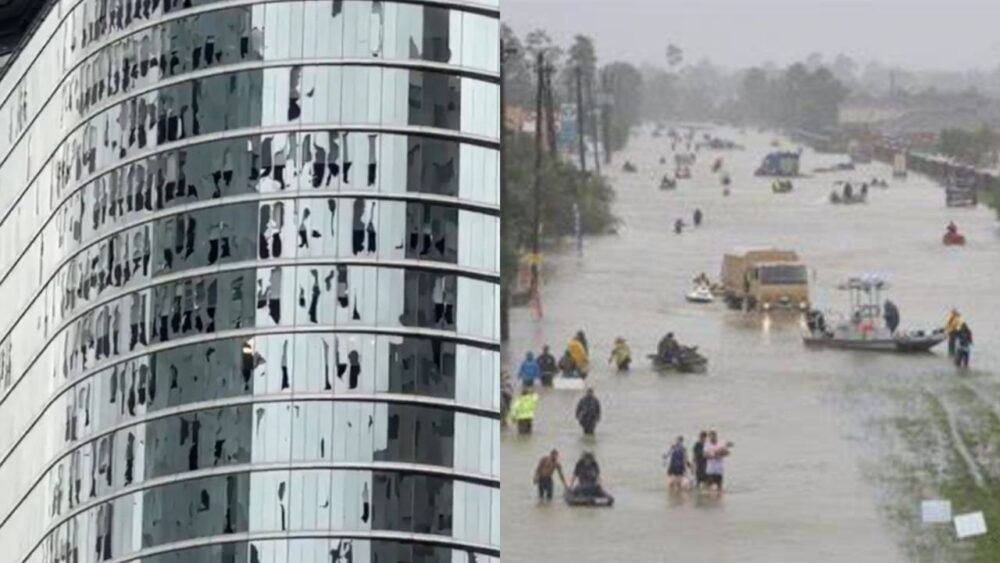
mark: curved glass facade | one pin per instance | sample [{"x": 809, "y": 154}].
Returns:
[{"x": 249, "y": 251}]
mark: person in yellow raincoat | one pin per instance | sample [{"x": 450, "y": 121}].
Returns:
[
  {"x": 951, "y": 327},
  {"x": 621, "y": 355},
  {"x": 522, "y": 412},
  {"x": 578, "y": 354}
]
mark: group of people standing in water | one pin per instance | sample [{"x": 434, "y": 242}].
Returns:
[
  {"x": 704, "y": 464},
  {"x": 542, "y": 370}
]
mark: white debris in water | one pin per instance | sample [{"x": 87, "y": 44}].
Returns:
[
  {"x": 970, "y": 525},
  {"x": 936, "y": 511}
]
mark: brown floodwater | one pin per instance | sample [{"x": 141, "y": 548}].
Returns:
[{"x": 796, "y": 489}]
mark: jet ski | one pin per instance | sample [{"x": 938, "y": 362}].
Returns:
[
  {"x": 689, "y": 361},
  {"x": 700, "y": 294}
]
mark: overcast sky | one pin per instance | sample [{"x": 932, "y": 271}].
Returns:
[{"x": 920, "y": 34}]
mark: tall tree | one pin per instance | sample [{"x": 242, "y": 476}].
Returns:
[
  {"x": 622, "y": 82},
  {"x": 518, "y": 82}
]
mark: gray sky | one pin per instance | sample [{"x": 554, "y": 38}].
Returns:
[{"x": 920, "y": 34}]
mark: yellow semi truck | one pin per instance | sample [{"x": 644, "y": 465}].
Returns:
[{"x": 765, "y": 279}]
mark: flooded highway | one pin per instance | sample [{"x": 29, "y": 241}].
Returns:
[{"x": 833, "y": 449}]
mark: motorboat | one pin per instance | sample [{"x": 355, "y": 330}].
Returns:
[
  {"x": 865, "y": 329},
  {"x": 604, "y": 500},
  {"x": 782, "y": 186},
  {"x": 668, "y": 183},
  {"x": 700, "y": 294},
  {"x": 688, "y": 361},
  {"x": 905, "y": 342},
  {"x": 841, "y": 199},
  {"x": 953, "y": 238}
]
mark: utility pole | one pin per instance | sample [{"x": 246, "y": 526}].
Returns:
[
  {"x": 550, "y": 113},
  {"x": 579, "y": 120},
  {"x": 606, "y": 117},
  {"x": 595, "y": 129},
  {"x": 537, "y": 189}
]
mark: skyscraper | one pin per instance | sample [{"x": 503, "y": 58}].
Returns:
[{"x": 250, "y": 263}]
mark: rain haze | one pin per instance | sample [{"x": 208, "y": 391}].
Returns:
[
  {"x": 648, "y": 144},
  {"x": 920, "y": 34}
]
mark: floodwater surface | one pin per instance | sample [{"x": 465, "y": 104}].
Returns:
[{"x": 807, "y": 478}]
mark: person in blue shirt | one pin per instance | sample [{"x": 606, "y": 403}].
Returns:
[{"x": 529, "y": 372}]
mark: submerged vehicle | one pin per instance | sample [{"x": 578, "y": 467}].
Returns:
[
  {"x": 899, "y": 165},
  {"x": 865, "y": 328},
  {"x": 783, "y": 164},
  {"x": 687, "y": 361},
  {"x": 961, "y": 197},
  {"x": 860, "y": 153},
  {"x": 842, "y": 167},
  {"x": 847, "y": 195},
  {"x": 782, "y": 186},
  {"x": 841, "y": 199},
  {"x": 765, "y": 279}
]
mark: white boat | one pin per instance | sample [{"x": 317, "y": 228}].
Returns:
[
  {"x": 701, "y": 294},
  {"x": 865, "y": 328}
]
